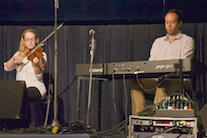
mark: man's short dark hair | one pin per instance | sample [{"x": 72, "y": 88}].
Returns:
[{"x": 178, "y": 12}]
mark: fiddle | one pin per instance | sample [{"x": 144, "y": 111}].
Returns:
[{"x": 37, "y": 52}]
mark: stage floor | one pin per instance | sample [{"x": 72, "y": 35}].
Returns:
[
  {"x": 45, "y": 132},
  {"x": 8, "y": 135}
]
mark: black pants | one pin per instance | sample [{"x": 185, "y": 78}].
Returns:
[
  {"x": 34, "y": 97},
  {"x": 33, "y": 94}
]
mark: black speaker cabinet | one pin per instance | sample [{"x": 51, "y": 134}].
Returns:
[{"x": 13, "y": 99}]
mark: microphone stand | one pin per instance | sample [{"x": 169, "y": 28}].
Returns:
[
  {"x": 92, "y": 52},
  {"x": 55, "y": 121}
]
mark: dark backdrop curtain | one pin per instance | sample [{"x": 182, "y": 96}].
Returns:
[{"x": 114, "y": 43}]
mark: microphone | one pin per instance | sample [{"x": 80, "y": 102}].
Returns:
[
  {"x": 92, "y": 44},
  {"x": 92, "y": 32}
]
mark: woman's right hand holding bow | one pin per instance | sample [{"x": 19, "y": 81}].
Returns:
[{"x": 17, "y": 59}]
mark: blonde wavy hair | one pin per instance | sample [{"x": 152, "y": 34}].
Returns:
[{"x": 22, "y": 46}]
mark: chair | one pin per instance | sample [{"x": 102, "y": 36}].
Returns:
[
  {"x": 40, "y": 113},
  {"x": 48, "y": 81}
]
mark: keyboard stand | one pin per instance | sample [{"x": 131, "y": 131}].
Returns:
[{"x": 79, "y": 78}]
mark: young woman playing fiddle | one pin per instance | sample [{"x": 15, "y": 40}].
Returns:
[{"x": 29, "y": 69}]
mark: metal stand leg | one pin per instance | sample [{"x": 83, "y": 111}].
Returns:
[
  {"x": 79, "y": 78},
  {"x": 78, "y": 98},
  {"x": 49, "y": 97}
]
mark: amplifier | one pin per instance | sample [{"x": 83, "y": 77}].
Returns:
[
  {"x": 13, "y": 99},
  {"x": 162, "y": 127}
]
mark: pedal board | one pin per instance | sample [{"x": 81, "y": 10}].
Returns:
[
  {"x": 162, "y": 127},
  {"x": 174, "y": 113}
]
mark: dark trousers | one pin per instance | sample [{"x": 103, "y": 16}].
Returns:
[
  {"x": 33, "y": 94},
  {"x": 36, "y": 107}
]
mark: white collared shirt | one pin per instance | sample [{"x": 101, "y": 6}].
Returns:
[
  {"x": 25, "y": 72},
  {"x": 181, "y": 47}
]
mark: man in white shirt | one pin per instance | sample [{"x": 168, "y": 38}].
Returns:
[{"x": 174, "y": 45}]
